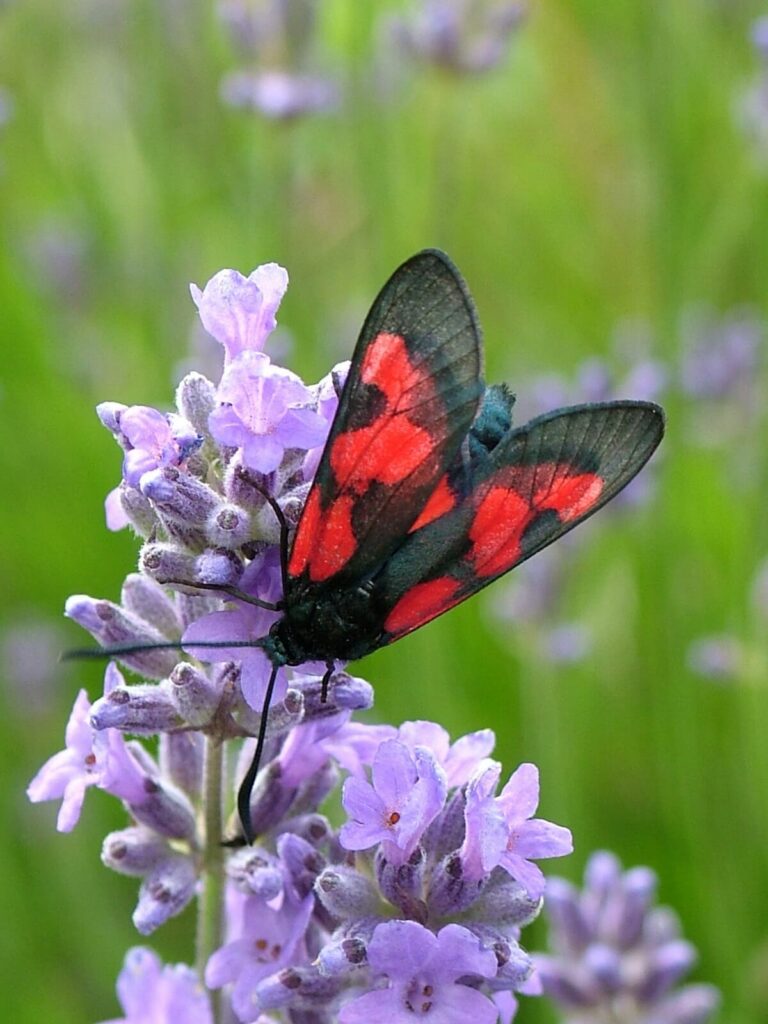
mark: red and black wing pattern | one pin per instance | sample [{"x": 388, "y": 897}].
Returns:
[
  {"x": 411, "y": 395},
  {"x": 539, "y": 481}
]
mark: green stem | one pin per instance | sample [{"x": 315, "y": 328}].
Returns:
[{"x": 210, "y": 914}]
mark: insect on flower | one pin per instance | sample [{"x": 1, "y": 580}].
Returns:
[{"x": 425, "y": 492}]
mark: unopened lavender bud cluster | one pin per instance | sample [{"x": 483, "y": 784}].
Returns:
[
  {"x": 616, "y": 956},
  {"x": 414, "y": 902}
]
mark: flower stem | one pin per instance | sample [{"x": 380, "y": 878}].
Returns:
[{"x": 210, "y": 914}]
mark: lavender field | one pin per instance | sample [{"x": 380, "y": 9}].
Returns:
[{"x": 599, "y": 174}]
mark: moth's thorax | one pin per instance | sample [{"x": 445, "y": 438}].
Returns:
[{"x": 334, "y": 623}]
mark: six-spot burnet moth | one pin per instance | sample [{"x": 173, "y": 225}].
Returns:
[{"x": 425, "y": 492}]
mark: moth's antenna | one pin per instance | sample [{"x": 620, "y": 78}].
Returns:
[
  {"x": 122, "y": 650},
  {"x": 246, "y": 786}
]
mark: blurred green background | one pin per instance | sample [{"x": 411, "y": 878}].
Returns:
[{"x": 608, "y": 171}]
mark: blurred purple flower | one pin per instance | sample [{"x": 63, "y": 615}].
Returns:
[
  {"x": 278, "y": 38},
  {"x": 427, "y": 976},
  {"x": 239, "y": 312},
  {"x": 279, "y": 95},
  {"x": 29, "y": 661},
  {"x": 151, "y": 993},
  {"x": 720, "y": 357},
  {"x": 567, "y": 643},
  {"x": 718, "y": 657},
  {"x": 614, "y": 955},
  {"x": 462, "y": 36}
]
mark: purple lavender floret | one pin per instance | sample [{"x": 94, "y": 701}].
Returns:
[
  {"x": 281, "y": 80},
  {"x": 617, "y": 956},
  {"x": 427, "y": 976},
  {"x": 151, "y": 992},
  {"x": 460, "y": 36}
]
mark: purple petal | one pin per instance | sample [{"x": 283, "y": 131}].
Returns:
[
  {"x": 239, "y": 312},
  {"x": 460, "y": 953},
  {"x": 539, "y": 838},
  {"x": 526, "y": 873},
  {"x": 400, "y": 949},
  {"x": 520, "y": 797},
  {"x": 394, "y": 773},
  {"x": 114, "y": 511}
]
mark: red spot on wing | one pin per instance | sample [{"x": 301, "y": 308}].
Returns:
[
  {"x": 422, "y": 603},
  {"x": 338, "y": 541},
  {"x": 517, "y": 495},
  {"x": 305, "y": 534},
  {"x": 391, "y": 447},
  {"x": 496, "y": 530},
  {"x": 394, "y": 446},
  {"x": 387, "y": 452},
  {"x": 441, "y": 500}
]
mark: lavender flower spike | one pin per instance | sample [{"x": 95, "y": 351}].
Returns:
[{"x": 614, "y": 955}]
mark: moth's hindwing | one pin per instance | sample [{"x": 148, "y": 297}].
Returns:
[{"x": 538, "y": 483}]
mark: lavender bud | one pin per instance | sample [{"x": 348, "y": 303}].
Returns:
[
  {"x": 165, "y": 563},
  {"x": 514, "y": 964},
  {"x": 315, "y": 789},
  {"x": 229, "y": 527},
  {"x": 144, "y": 709},
  {"x": 604, "y": 964},
  {"x": 192, "y": 694},
  {"x": 661, "y": 925},
  {"x": 181, "y": 759},
  {"x": 625, "y": 911},
  {"x": 562, "y": 985},
  {"x": 179, "y": 497},
  {"x": 144, "y": 597},
  {"x": 138, "y": 510},
  {"x": 133, "y": 851},
  {"x": 351, "y": 693},
  {"x": 111, "y": 625},
  {"x": 164, "y": 893},
  {"x": 299, "y": 986},
  {"x": 694, "y": 1004},
  {"x": 563, "y": 909},
  {"x": 282, "y": 717},
  {"x": 348, "y": 947},
  {"x": 109, "y": 413},
  {"x": 220, "y": 567},
  {"x": 314, "y": 828},
  {"x": 196, "y": 400},
  {"x": 505, "y": 903},
  {"x": 402, "y": 884},
  {"x": 166, "y": 811},
  {"x": 446, "y": 832},
  {"x": 668, "y": 965},
  {"x": 345, "y": 893},
  {"x": 271, "y": 798},
  {"x": 448, "y": 892},
  {"x": 257, "y": 871},
  {"x": 302, "y": 862}
]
